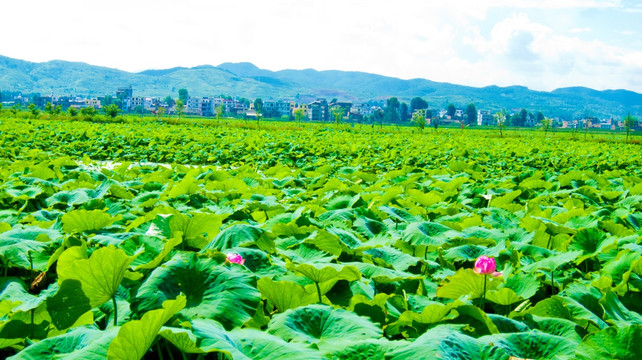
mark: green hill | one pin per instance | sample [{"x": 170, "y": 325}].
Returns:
[{"x": 247, "y": 80}]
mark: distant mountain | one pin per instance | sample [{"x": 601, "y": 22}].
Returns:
[{"x": 247, "y": 80}]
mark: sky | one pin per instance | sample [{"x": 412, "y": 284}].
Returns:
[{"x": 541, "y": 44}]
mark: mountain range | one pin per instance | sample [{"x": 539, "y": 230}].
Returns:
[{"x": 247, "y": 80}]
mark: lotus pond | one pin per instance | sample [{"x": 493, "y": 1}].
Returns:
[{"x": 199, "y": 241}]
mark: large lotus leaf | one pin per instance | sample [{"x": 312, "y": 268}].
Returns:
[
  {"x": 183, "y": 339},
  {"x": 348, "y": 237},
  {"x": 399, "y": 260},
  {"x": 197, "y": 230},
  {"x": 68, "y": 304},
  {"x": 397, "y": 214},
  {"x": 80, "y": 343},
  {"x": 429, "y": 233},
  {"x": 558, "y": 327},
  {"x": 617, "y": 312},
  {"x": 566, "y": 308},
  {"x": 552, "y": 262},
  {"x": 531, "y": 345},
  {"x": 29, "y": 247},
  {"x": 212, "y": 290},
  {"x": 71, "y": 197},
  {"x": 524, "y": 285},
  {"x": 612, "y": 343},
  {"x": 369, "y": 227},
  {"x": 445, "y": 342},
  {"x": 591, "y": 242},
  {"x": 503, "y": 296},
  {"x": 168, "y": 246},
  {"x": 285, "y": 295},
  {"x": 85, "y": 220},
  {"x": 100, "y": 275},
  {"x": 322, "y": 324},
  {"x": 15, "y": 291},
  {"x": 248, "y": 344},
  {"x": 467, "y": 282},
  {"x": 505, "y": 199},
  {"x": 25, "y": 192},
  {"x": 325, "y": 272},
  {"x": 135, "y": 337},
  {"x": 240, "y": 235},
  {"x": 362, "y": 349},
  {"x": 382, "y": 274}
]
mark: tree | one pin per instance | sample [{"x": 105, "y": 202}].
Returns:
[
  {"x": 629, "y": 122},
  {"x": 521, "y": 119},
  {"x": 258, "y": 108},
  {"x": 500, "y": 117},
  {"x": 219, "y": 111},
  {"x": 183, "y": 95},
  {"x": 391, "y": 113},
  {"x": 34, "y": 110},
  {"x": 88, "y": 112},
  {"x": 49, "y": 109},
  {"x": 337, "y": 114},
  {"x": 72, "y": 111},
  {"x": 403, "y": 112},
  {"x": 546, "y": 123},
  {"x": 418, "y": 103},
  {"x": 169, "y": 101},
  {"x": 471, "y": 114},
  {"x": 299, "y": 114},
  {"x": 540, "y": 117},
  {"x": 160, "y": 111},
  {"x": 111, "y": 110},
  {"x": 451, "y": 110},
  {"x": 419, "y": 119},
  {"x": 180, "y": 107}
]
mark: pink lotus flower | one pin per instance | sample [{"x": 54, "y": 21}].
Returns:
[
  {"x": 235, "y": 258},
  {"x": 486, "y": 266}
]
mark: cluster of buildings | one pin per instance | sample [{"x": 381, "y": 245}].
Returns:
[{"x": 317, "y": 110}]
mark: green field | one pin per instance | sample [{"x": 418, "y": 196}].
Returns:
[{"x": 357, "y": 242}]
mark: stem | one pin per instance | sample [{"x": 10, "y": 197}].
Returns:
[
  {"x": 169, "y": 351},
  {"x": 158, "y": 350},
  {"x": 113, "y": 299},
  {"x": 318, "y": 292},
  {"x": 552, "y": 282},
  {"x": 483, "y": 302},
  {"x": 32, "y": 325}
]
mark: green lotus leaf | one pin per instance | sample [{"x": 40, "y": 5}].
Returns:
[
  {"x": 524, "y": 285},
  {"x": 591, "y": 242},
  {"x": 397, "y": 214},
  {"x": 552, "y": 262},
  {"x": 99, "y": 276},
  {"x": 382, "y": 274},
  {"x": 558, "y": 327},
  {"x": 29, "y": 247},
  {"x": 240, "y": 235},
  {"x": 68, "y": 305},
  {"x": 466, "y": 282},
  {"x": 322, "y": 324},
  {"x": 612, "y": 343},
  {"x": 248, "y": 344},
  {"x": 25, "y": 192},
  {"x": 135, "y": 337},
  {"x": 183, "y": 339},
  {"x": 85, "y": 220},
  {"x": 399, "y": 260},
  {"x": 369, "y": 227},
  {"x": 285, "y": 295},
  {"x": 212, "y": 290},
  {"x": 503, "y": 296},
  {"x": 618, "y": 313},
  {"x": 160, "y": 257},
  {"x": 15, "y": 291},
  {"x": 348, "y": 238},
  {"x": 445, "y": 342},
  {"x": 79, "y": 343},
  {"x": 362, "y": 349},
  {"x": 325, "y": 272},
  {"x": 429, "y": 233},
  {"x": 533, "y": 344},
  {"x": 71, "y": 197}
]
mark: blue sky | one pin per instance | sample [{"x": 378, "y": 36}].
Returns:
[{"x": 542, "y": 44}]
